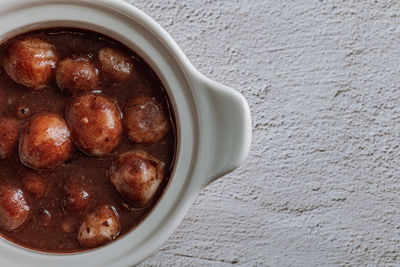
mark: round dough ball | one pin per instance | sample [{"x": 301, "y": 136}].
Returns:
[
  {"x": 95, "y": 123},
  {"x": 10, "y": 130},
  {"x": 31, "y": 62},
  {"x": 137, "y": 175},
  {"x": 14, "y": 210},
  {"x": 44, "y": 217},
  {"x": 69, "y": 224},
  {"x": 34, "y": 183},
  {"x": 76, "y": 197},
  {"x": 145, "y": 120},
  {"x": 99, "y": 227},
  {"x": 76, "y": 76},
  {"x": 45, "y": 142},
  {"x": 115, "y": 67}
]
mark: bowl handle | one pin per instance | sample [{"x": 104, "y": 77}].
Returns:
[{"x": 226, "y": 128}]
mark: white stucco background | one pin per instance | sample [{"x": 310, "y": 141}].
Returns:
[{"x": 321, "y": 186}]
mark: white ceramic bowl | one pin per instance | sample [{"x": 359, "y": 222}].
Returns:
[{"x": 213, "y": 121}]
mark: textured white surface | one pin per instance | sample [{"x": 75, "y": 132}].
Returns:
[{"x": 321, "y": 184}]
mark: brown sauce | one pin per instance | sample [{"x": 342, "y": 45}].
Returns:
[{"x": 59, "y": 232}]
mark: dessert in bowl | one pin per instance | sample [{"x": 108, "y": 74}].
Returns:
[{"x": 146, "y": 139}]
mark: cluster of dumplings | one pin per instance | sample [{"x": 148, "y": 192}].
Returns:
[{"x": 93, "y": 123}]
